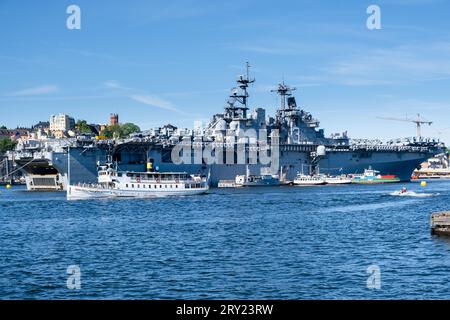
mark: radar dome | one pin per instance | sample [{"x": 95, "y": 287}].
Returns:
[{"x": 321, "y": 151}]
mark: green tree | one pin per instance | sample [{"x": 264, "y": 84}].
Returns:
[
  {"x": 116, "y": 131},
  {"x": 83, "y": 127},
  {"x": 120, "y": 131},
  {"x": 3, "y": 127},
  {"x": 7, "y": 144},
  {"x": 129, "y": 128}
]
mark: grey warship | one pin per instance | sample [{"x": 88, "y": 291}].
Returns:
[{"x": 302, "y": 145}]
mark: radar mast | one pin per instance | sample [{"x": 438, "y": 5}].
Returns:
[
  {"x": 239, "y": 94},
  {"x": 284, "y": 91}
]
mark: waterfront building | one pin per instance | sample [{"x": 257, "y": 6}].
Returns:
[{"x": 61, "y": 123}]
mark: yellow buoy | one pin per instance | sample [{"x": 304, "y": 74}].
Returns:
[
  {"x": 8, "y": 186},
  {"x": 423, "y": 183}
]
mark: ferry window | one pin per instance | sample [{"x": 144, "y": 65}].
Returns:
[
  {"x": 138, "y": 186},
  {"x": 160, "y": 186},
  {"x": 155, "y": 186},
  {"x": 165, "y": 186},
  {"x": 126, "y": 185},
  {"x": 176, "y": 186},
  {"x": 132, "y": 185}
]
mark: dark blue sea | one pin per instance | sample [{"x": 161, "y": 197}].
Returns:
[{"x": 260, "y": 243}]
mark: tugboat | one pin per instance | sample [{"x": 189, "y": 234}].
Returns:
[
  {"x": 116, "y": 184},
  {"x": 371, "y": 176}
]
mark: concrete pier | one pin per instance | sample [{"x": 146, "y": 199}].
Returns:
[{"x": 440, "y": 223}]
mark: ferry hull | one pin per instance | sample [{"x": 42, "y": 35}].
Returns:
[
  {"x": 86, "y": 192},
  {"x": 80, "y": 193},
  {"x": 338, "y": 181}
]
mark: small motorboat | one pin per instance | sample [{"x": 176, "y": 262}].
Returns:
[{"x": 403, "y": 192}]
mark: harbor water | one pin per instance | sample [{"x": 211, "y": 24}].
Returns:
[{"x": 255, "y": 243}]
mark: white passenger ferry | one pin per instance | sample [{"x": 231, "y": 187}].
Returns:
[
  {"x": 113, "y": 183},
  {"x": 308, "y": 180},
  {"x": 342, "y": 179}
]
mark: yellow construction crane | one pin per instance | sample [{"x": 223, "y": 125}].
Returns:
[{"x": 419, "y": 121}]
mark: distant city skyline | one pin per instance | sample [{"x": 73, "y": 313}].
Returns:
[{"x": 156, "y": 62}]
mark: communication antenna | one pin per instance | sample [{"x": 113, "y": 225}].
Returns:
[{"x": 283, "y": 91}]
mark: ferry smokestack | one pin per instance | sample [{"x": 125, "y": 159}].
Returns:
[{"x": 150, "y": 166}]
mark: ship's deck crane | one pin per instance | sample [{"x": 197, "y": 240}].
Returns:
[{"x": 419, "y": 121}]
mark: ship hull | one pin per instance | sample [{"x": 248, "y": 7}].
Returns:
[
  {"x": 84, "y": 161},
  {"x": 87, "y": 192},
  {"x": 401, "y": 165}
]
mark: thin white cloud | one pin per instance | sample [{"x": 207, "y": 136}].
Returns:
[
  {"x": 389, "y": 66},
  {"x": 142, "y": 97},
  {"x": 156, "y": 102},
  {"x": 112, "y": 84},
  {"x": 45, "y": 89}
]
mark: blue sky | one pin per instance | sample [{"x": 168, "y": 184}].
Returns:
[{"x": 156, "y": 62}]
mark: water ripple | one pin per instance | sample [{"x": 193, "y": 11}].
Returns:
[{"x": 268, "y": 243}]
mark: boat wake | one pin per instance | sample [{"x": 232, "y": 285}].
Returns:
[{"x": 412, "y": 194}]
